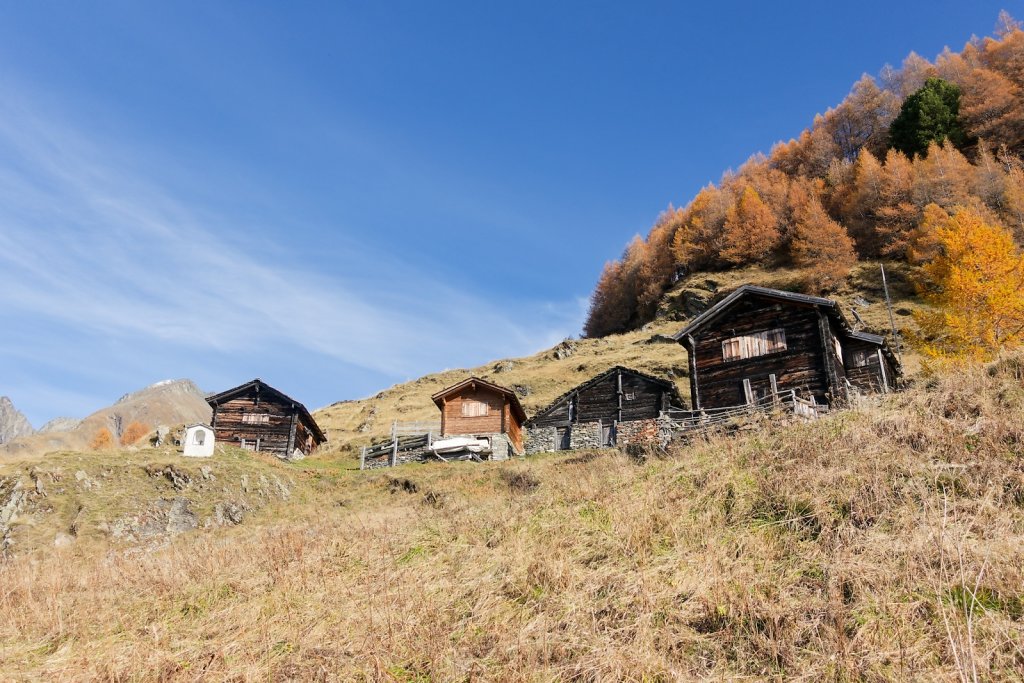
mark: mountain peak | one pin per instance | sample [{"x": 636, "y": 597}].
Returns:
[{"x": 13, "y": 423}]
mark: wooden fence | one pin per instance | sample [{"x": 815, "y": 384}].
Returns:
[
  {"x": 675, "y": 421},
  {"x": 405, "y": 437}
]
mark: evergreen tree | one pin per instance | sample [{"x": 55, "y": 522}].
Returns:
[{"x": 932, "y": 114}]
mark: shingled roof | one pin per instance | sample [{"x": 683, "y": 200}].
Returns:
[{"x": 671, "y": 386}]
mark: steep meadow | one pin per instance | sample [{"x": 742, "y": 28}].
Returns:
[{"x": 881, "y": 543}]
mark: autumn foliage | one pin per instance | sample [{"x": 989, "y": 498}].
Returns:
[
  {"x": 133, "y": 432},
  {"x": 973, "y": 276},
  {"x": 103, "y": 439},
  {"x": 841, "y": 191}
]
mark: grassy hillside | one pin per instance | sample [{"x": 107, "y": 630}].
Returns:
[
  {"x": 541, "y": 377},
  {"x": 546, "y": 375},
  {"x": 882, "y": 543}
]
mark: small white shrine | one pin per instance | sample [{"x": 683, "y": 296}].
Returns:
[{"x": 198, "y": 442}]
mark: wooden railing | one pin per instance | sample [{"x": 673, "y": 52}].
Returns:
[{"x": 783, "y": 402}]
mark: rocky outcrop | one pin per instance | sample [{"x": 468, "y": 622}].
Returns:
[{"x": 13, "y": 423}]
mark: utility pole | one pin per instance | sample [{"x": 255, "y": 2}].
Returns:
[{"x": 892, "y": 319}]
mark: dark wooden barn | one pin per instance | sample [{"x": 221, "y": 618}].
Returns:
[
  {"x": 258, "y": 417},
  {"x": 617, "y": 407},
  {"x": 757, "y": 342},
  {"x": 478, "y": 408}
]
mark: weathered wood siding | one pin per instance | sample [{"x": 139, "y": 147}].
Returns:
[
  {"x": 718, "y": 383},
  {"x": 870, "y": 378},
  {"x": 453, "y": 422},
  {"x": 603, "y": 402},
  {"x": 272, "y": 436},
  {"x": 513, "y": 428}
]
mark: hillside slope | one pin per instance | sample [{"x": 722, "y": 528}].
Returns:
[
  {"x": 881, "y": 543},
  {"x": 546, "y": 375},
  {"x": 170, "y": 402}
]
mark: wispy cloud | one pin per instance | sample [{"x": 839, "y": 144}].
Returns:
[{"x": 88, "y": 242}]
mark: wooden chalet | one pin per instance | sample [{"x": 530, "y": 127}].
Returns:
[
  {"x": 478, "y": 408},
  {"x": 258, "y": 417},
  {"x": 757, "y": 342},
  {"x": 617, "y": 407}
]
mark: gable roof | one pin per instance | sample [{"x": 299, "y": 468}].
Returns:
[
  {"x": 517, "y": 407},
  {"x": 670, "y": 386},
  {"x": 725, "y": 304},
  {"x": 830, "y": 307},
  {"x": 264, "y": 388}
]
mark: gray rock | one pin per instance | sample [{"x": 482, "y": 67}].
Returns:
[
  {"x": 180, "y": 479},
  {"x": 60, "y": 424},
  {"x": 564, "y": 349},
  {"x": 166, "y": 517},
  {"x": 503, "y": 366},
  {"x": 228, "y": 513},
  {"x": 13, "y": 424},
  {"x": 82, "y": 478},
  {"x": 63, "y": 540}
]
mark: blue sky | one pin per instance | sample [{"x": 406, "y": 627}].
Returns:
[{"x": 339, "y": 196}]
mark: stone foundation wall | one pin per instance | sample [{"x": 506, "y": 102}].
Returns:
[
  {"x": 539, "y": 439},
  {"x": 638, "y": 433},
  {"x": 588, "y": 435},
  {"x": 585, "y": 435}
]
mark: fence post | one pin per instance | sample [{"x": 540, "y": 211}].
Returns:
[
  {"x": 362, "y": 458},
  {"x": 394, "y": 443}
]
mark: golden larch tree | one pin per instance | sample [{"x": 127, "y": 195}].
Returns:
[
  {"x": 972, "y": 275},
  {"x": 822, "y": 247},
  {"x": 133, "y": 432},
  {"x": 751, "y": 230},
  {"x": 101, "y": 440}
]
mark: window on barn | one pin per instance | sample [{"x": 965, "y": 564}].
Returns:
[
  {"x": 473, "y": 408},
  {"x": 255, "y": 418},
  {"x": 753, "y": 345},
  {"x": 630, "y": 395},
  {"x": 860, "y": 358},
  {"x": 199, "y": 438}
]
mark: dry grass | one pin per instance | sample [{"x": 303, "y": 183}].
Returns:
[{"x": 884, "y": 543}]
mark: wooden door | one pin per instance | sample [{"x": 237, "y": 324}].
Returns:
[
  {"x": 562, "y": 438},
  {"x": 608, "y": 435}
]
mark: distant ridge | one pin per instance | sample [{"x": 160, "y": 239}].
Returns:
[{"x": 168, "y": 402}]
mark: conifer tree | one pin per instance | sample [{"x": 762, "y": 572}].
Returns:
[
  {"x": 822, "y": 247},
  {"x": 102, "y": 439},
  {"x": 973, "y": 277},
  {"x": 751, "y": 230},
  {"x": 929, "y": 115}
]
